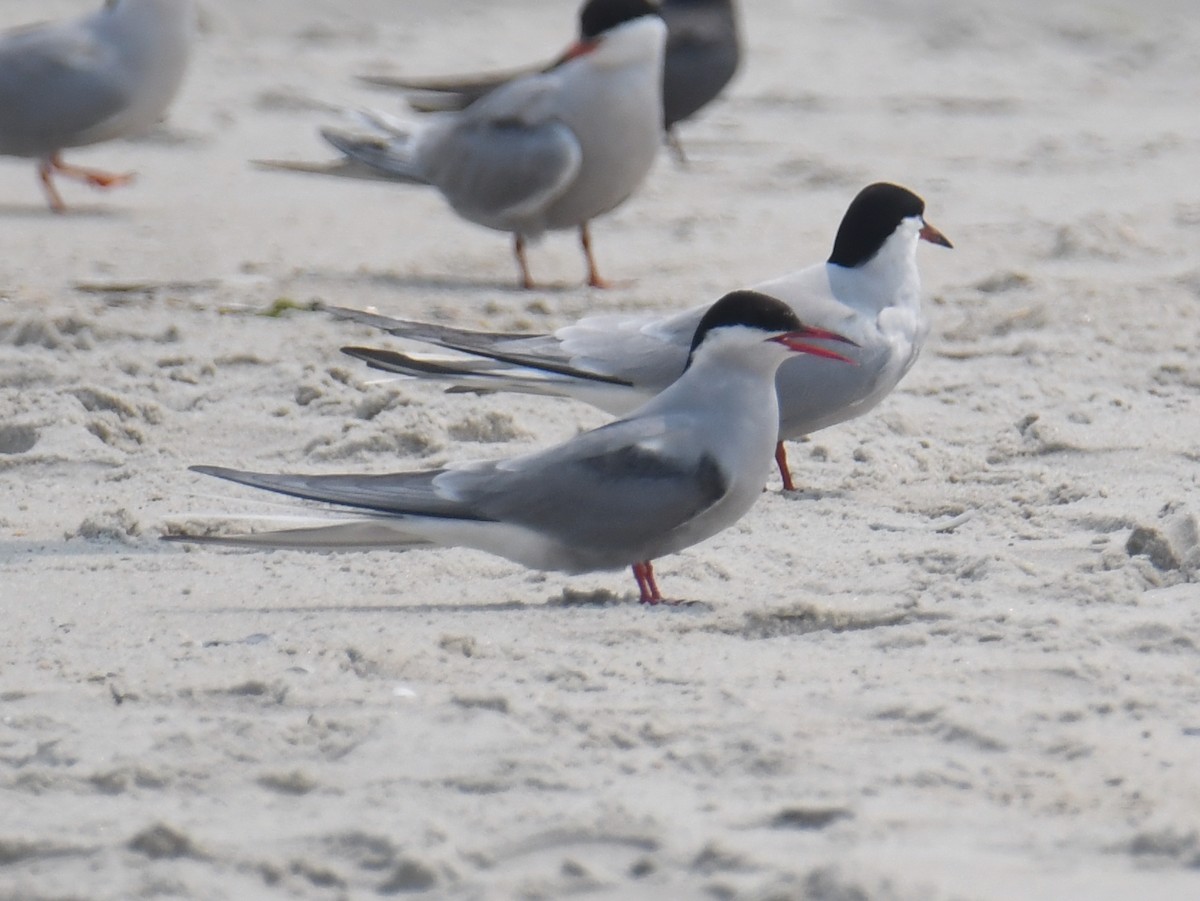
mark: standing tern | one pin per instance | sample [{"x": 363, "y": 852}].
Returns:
[
  {"x": 680, "y": 469},
  {"x": 107, "y": 75},
  {"x": 703, "y": 52},
  {"x": 702, "y": 55},
  {"x": 868, "y": 290},
  {"x": 547, "y": 151}
]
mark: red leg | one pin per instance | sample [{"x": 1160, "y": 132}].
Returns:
[
  {"x": 647, "y": 587},
  {"x": 593, "y": 275},
  {"x": 519, "y": 253},
  {"x": 46, "y": 174},
  {"x": 782, "y": 463},
  {"x": 639, "y": 577},
  {"x": 649, "y": 573},
  {"x": 94, "y": 177}
]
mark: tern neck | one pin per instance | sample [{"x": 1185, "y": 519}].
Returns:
[{"x": 889, "y": 278}]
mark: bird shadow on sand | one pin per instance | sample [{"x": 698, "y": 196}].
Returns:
[
  {"x": 448, "y": 284},
  {"x": 625, "y": 602},
  {"x": 398, "y": 607},
  {"x": 41, "y": 212},
  {"x": 802, "y": 494},
  {"x": 14, "y": 549}
]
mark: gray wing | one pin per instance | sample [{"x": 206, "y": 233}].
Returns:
[
  {"x": 396, "y": 493},
  {"x": 420, "y": 331},
  {"x": 512, "y": 348},
  {"x": 452, "y": 92},
  {"x": 649, "y": 351},
  {"x": 642, "y": 350},
  {"x": 612, "y": 487},
  {"x": 380, "y": 155},
  {"x": 405, "y": 364},
  {"x": 617, "y": 486},
  {"x": 56, "y": 82},
  {"x": 506, "y": 156}
]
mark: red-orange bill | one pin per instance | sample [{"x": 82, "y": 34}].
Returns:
[
  {"x": 799, "y": 339},
  {"x": 579, "y": 48},
  {"x": 933, "y": 236}
]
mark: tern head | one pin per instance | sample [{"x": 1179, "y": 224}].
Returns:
[
  {"x": 599, "y": 16},
  {"x": 749, "y": 318},
  {"x": 875, "y": 215}
]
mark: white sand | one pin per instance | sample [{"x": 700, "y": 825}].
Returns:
[{"x": 863, "y": 706}]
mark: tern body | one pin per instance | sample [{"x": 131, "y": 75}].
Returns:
[
  {"x": 703, "y": 52},
  {"x": 107, "y": 75},
  {"x": 547, "y": 151}
]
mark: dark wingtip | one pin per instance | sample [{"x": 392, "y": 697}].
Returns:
[{"x": 220, "y": 472}]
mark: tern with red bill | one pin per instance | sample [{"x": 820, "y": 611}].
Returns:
[
  {"x": 548, "y": 151},
  {"x": 680, "y": 469},
  {"x": 108, "y": 75},
  {"x": 703, "y": 53},
  {"x": 869, "y": 290}
]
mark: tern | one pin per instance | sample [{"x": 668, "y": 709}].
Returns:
[
  {"x": 868, "y": 290},
  {"x": 703, "y": 53},
  {"x": 108, "y": 75},
  {"x": 680, "y": 469},
  {"x": 548, "y": 151}
]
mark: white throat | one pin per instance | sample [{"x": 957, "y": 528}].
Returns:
[
  {"x": 888, "y": 279},
  {"x": 635, "y": 42}
]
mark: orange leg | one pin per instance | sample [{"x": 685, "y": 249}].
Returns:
[
  {"x": 643, "y": 573},
  {"x": 782, "y": 463},
  {"x": 94, "y": 177},
  {"x": 519, "y": 253},
  {"x": 593, "y": 275},
  {"x": 45, "y": 173}
]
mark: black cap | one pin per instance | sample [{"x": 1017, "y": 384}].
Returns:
[
  {"x": 749, "y": 309},
  {"x": 870, "y": 220},
  {"x": 598, "y": 16}
]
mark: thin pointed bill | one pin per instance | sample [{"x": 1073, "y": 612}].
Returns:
[
  {"x": 578, "y": 49},
  {"x": 799, "y": 339},
  {"x": 933, "y": 236}
]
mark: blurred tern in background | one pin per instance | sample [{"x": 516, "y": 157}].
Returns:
[
  {"x": 547, "y": 151},
  {"x": 110, "y": 74},
  {"x": 869, "y": 291},
  {"x": 680, "y": 469},
  {"x": 703, "y": 53}
]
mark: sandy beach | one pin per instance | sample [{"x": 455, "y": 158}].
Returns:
[{"x": 962, "y": 662}]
